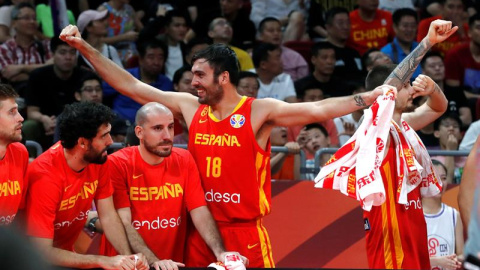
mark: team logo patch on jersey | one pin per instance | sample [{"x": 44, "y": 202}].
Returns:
[{"x": 237, "y": 120}]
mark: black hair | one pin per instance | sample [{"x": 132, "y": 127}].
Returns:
[
  {"x": 302, "y": 88},
  {"x": 16, "y": 9},
  {"x": 261, "y": 25},
  {"x": 88, "y": 76},
  {"x": 194, "y": 42},
  {"x": 378, "y": 75},
  {"x": 221, "y": 58},
  {"x": 428, "y": 55},
  {"x": 366, "y": 61},
  {"x": 402, "y": 12},
  {"x": 323, "y": 45},
  {"x": 55, "y": 42},
  {"x": 331, "y": 13},
  {"x": 448, "y": 115},
  {"x": 82, "y": 120},
  {"x": 319, "y": 126},
  {"x": 179, "y": 73},
  {"x": 143, "y": 46},
  {"x": 261, "y": 53},
  {"x": 176, "y": 13},
  {"x": 438, "y": 163},
  {"x": 247, "y": 74},
  {"x": 7, "y": 91}
]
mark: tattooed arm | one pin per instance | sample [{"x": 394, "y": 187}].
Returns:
[{"x": 439, "y": 31}]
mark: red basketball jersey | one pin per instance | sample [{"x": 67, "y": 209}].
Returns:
[
  {"x": 396, "y": 233},
  {"x": 234, "y": 169}
]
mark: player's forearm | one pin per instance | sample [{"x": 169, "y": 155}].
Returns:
[
  {"x": 206, "y": 226},
  {"x": 403, "y": 72},
  {"x": 437, "y": 100},
  {"x": 67, "y": 258},
  {"x": 114, "y": 75},
  {"x": 137, "y": 243},
  {"x": 115, "y": 232}
]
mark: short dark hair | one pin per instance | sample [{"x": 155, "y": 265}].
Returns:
[
  {"x": 323, "y": 45},
  {"x": 16, "y": 9},
  {"x": 7, "y": 91},
  {"x": 221, "y": 58},
  {"x": 402, "y": 12},
  {"x": 473, "y": 18},
  {"x": 143, "y": 46},
  {"x": 179, "y": 73},
  {"x": 319, "y": 126},
  {"x": 428, "y": 55},
  {"x": 82, "y": 120},
  {"x": 448, "y": 115},
  {"x": 261, "y": 25},
  {"x": 378, "y": 75},
  {"x": 176, "y": 13},
  {"x": 366, "y": 61},
  {"x": 302, "y": 88},
  {"x": 194, "y": 42},
  {"x": 331, "y": 13},
  {"x": 261, "y": 53},
  {"x": 88, "y": 76},
  {"x": 55, "y": 42},
  {"x": 247, "y": 74}
]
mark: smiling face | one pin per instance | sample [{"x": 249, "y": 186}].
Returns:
[{"x": 209, "y": 91}]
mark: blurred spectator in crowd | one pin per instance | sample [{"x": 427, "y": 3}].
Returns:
[
  {"x": 374, "y": 57},
  {"x": 273, "y": 82},
  {"x": 291, "y": 14},
  {"x": 119, "y": 129},
  {"x": 470, "y": 136},
  {"x": 45, "y": 19},
  {"x": 236, "y": 14},
  {"x": 248, "y": 84},
  {"x": 447, "y": 130},
  {"x": 123, "y": 27},
  {"x": 347, "y": 125},
  {"x": 462, "y": 64},
  {"x": 93, "y": 25},
  {"x": 323, "y": 59},
  {"x": 270, "y": 31},
  {"x": 452, "y": 10},
  {"x": 444, "y": 227},
  {"x": 394, "y": 5},
  {"x": 220, "y": 31},
  {"x": 433, "y": 66},
  {"x": 49, "y": 89},
  {"x": 310, "y": 92},
  {"x": 182, "y": 80},
  {"x": 131, "y": 139},
  {"x": 6, "y": 29},
  {"x": 371, "y": 27},
  {"x": 311, "y": 139},
  {"x": 284, "y": 165},
  {"x": 469, "y": 201},
  {"x": 405, "y": 27},
  {"x": 22, "y": 54},
  {"x": 348, "y": 64},
  {"x": 152, "y": 55},
  {"x": 193, "y": 46},
  {"x": 174, "y": 26},
  {"x": 316, "y": 21}
]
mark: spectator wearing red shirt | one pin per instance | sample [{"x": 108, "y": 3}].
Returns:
[
  {"x": 64, "y": 181},
  {"x": 452, "y": 10},
  {"x": 370, "y": 27}
]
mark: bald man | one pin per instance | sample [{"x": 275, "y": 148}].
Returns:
[{"x": 154, "y": 187}]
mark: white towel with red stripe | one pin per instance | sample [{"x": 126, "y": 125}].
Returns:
[{"x": 354, "y": 168}]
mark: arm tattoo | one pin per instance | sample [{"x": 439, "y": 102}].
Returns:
[
  {"x": 359, "y": 101},
  {"x": 405, "y": 69}
]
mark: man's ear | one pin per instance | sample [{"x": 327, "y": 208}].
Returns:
[
  {"x": 139, "y": 132},
  {"x": 436, "y": 133},
  {"x": 82, "y": 142},
  {"x": 224, "y": 78}
]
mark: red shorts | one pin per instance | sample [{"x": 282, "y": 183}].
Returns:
[{"x": 249, "y": 239}]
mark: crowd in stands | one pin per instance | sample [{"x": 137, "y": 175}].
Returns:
[{"x": 293, "y": 50}]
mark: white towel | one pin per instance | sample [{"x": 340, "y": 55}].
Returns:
[{"x": 354, "y": 168}]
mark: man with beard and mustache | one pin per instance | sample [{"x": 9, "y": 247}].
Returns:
[
  {"x": 13, "y": 156},
  {"x": 154, "y": 187},
  {"x": 64, "y": 181},
  {"x": 229, "y": 135}
]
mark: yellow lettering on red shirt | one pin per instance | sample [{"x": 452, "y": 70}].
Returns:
[
  {"x": 156, "y": 193},
  {"x": 370, "y": 34},
  {"x": 88, "y": 189},
  {"x": 217, "y": 140},
  {"x": 10, "y": 188}
]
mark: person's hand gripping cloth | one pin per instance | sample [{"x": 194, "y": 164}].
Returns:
[{"x": 354, "y": 168}]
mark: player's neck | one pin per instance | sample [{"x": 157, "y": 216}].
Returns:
[
  {"x": 225, "y": 107},
  {"x": 3, "y": 150},
  {"x": 432, "y": 205},
  {"x": 148, "y": 157},
  {"x": 397, "y": 117},
  {"x": 367, "y": 15},
  {"x": 74, "y": 159}
]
